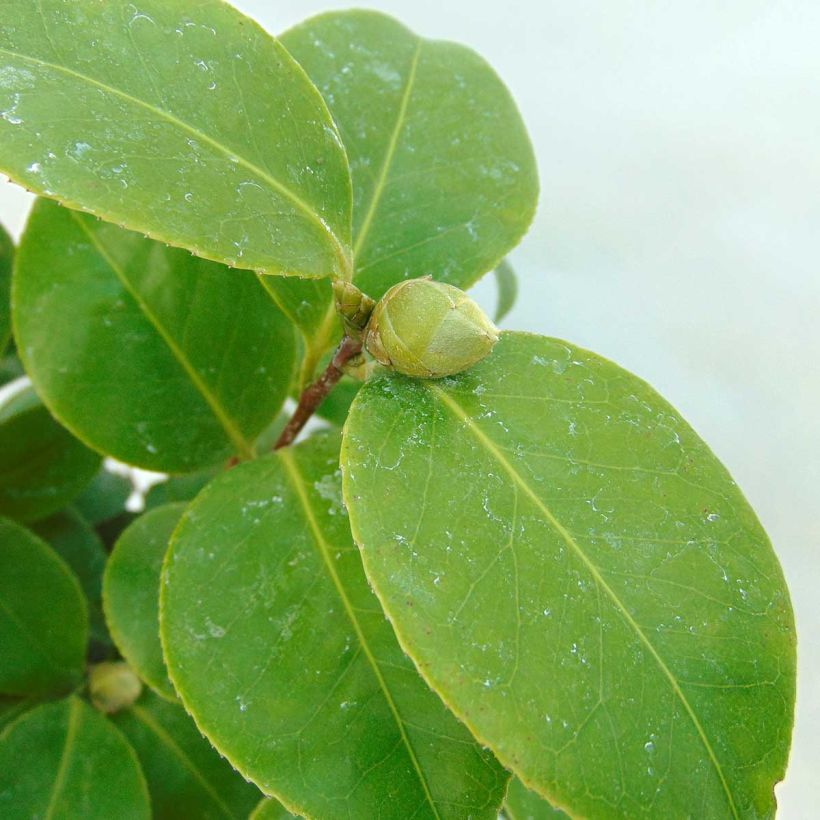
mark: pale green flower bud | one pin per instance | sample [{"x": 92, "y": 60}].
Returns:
[
  {"x": 428, "y": 329},
  {"x": 353, "y": 306},
  {"x": 113, "y": 686}
]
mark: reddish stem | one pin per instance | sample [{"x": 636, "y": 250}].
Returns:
[{"x": 313, "y": 395}]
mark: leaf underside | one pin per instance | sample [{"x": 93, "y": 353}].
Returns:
[
  {"x": 507, "y": 286},
  {"x": 523, "y": 804},
  {"x": 598, "y": 603}
]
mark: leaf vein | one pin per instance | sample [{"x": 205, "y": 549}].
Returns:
[
  {"x": 274, "y": 183},
  {"x": 298, "y": 485},
  {"x": 239, "y": 441},
  {"x": 496, "y": 453}
]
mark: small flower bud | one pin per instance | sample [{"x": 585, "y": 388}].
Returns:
[
  {"x": 353, "y": 306},
  {"x": 428, "y": 329},
  {"x": 113, "y": 686}
]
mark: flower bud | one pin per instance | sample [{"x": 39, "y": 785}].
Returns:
[
  {"x": 113, "y": 686},
  {"x": 428, "y": 329},
  {"x": 353, "y": 306}
]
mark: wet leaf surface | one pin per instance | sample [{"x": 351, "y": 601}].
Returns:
[
  {"x": 186, "y": 122},
  {"x": 282, "y": 655},
  {"x": 598, "y": 602},
  {"x": 157, "y": 358},
  {"x": 444, "y": 177}
]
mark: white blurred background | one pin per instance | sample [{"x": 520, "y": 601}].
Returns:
[{"x": 679, "y": 151}]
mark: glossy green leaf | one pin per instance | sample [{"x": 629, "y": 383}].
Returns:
[
  {"x": 10, "y": 368},
  {"x": 444, "y": 177},
  {"x": 74, "y": 540},
  {"x": 579, "y": 578},
  {"x": 507, "y": 285},
  {"x": 12, "y": 708},
  {"x": 64, "y": 761},
  {"x": 43, "y": 617},
  {"x": 6, "y": 260},
  {"x": 187, "y": 362},
  {"x": 270, "y": 435},
  {"x": 186, "y": 776},
  {"x": 523, "y": 804},
  {"x": 42, "y": 466},
  {"x": 186, "y": 122},
  {"x": 131, "y": 594},
  {"x": 308, "y": 303},
  {"x": 281, "y": 653},
  {"x": 336, "y": 405},
  {"x": 109, "y": 531},
  {"x": 177, "y": 488},
  {"x": 104, "y": 497},
  {"x": 270, "y": 809}
]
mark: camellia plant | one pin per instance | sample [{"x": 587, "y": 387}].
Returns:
[{"x": 496, "y": 572}]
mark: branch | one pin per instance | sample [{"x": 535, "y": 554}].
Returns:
[{"x": 313, "y": 395}]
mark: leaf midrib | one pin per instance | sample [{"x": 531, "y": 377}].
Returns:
[
  {"x": 381, "y": 182},
  {"x": 233, "y": 433},
  {"x": 490, "y": 446},
  {"x": 281, "y": 188},
  {"x": 62, "y": 769},
  {"x": 295, "y": 477},
  {"x": 148, "y": 721},
  {"x": 378, "y": 190}
]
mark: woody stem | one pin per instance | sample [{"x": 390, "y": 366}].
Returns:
[{"x": 313, "y": 394}]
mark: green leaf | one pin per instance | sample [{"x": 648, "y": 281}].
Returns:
[
  {"x": 109, "y": 531},
  {"x": 6, "y": 260},
  {"x": 186, "y": 122},
  {"x": 42, "y": 466},
  {"x": 43, "y": 617},
  {"x": 522, "y": 804},
  {"x": 10, "y": 368},
  {"x": 186, "y": 776},
  {"x": 308, "y": 303},
  {"x": 270, "y": 435},
  {"x": 188, "y": 362},
  {"x": 507, "y": 284},
  {"x": 282, "y": 655},
  {"x": 177, "y": 488},
  {"x": 64, "y": 761},
  {"x": 73, "y": 539},
  {"x": 270, "y": 809},
  {"x": 580, "y": 579},
  {"x": 131, "y": 594},
  {"x": 309, "y": 306},
  {"x": 12, "y": 707},
  {"x": 444, "y": 176},
  {"x": 104, "y": 498},
  {"x": 336, "y": 405}
]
